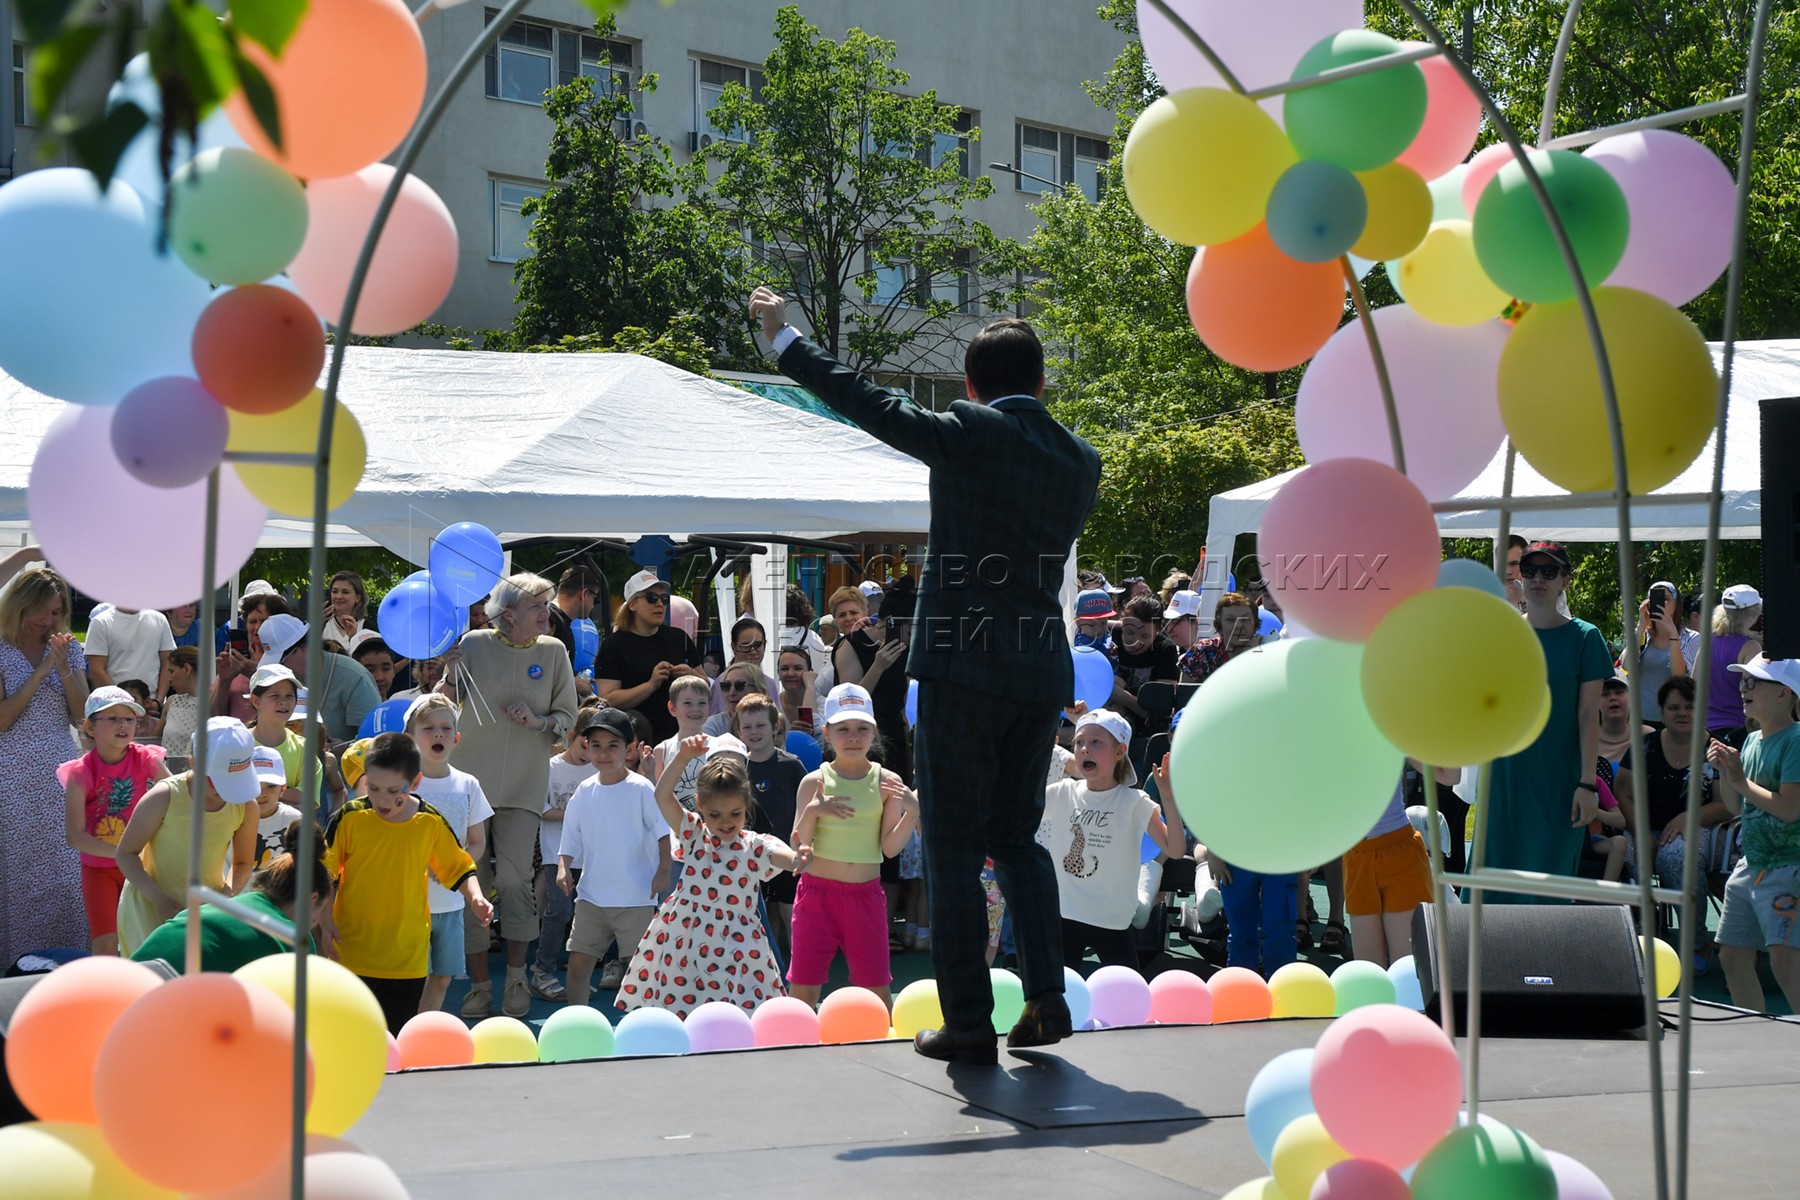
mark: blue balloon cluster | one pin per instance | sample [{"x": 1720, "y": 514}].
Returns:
[
  {"x": 418, "y": 620},
  {"x": 466, "y": 561},
  {"x": 587, "y": 642},
  {"x": 387, "y": 717}
]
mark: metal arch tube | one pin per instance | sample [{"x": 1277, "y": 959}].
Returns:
[
  {"x": 1396, "y": 442},
  {"x": 197, "y": 785},
  {"x": 1558, "y": 60}
]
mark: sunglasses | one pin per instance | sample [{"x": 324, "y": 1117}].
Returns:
[
  {"x": 750, "y": 647},
  {"x": 1540, "y": 570},
  {"x": 734, "y": 686},
  {"x": 654, "y": 597}
]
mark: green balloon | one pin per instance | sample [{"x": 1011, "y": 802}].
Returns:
[
  {"x": 1245, "y": 791},
  {"x": 235, "y": 217},
  {"x": 1009, "y": 999},
  {"x": 574, "y": 1033},
  {"x": 1513, "y": 240},
  {"x": 1362, "y": 122},
  {"x": 1359, "y": 982},
  {"x": 1484, "y": 1162}
]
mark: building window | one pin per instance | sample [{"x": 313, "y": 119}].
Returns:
[
  {"x": 954, "y": 284},
  {"x": 710, "y": 79},
  {"x": 21, "y": 89},
  {"x": 521, "y": 66},
  {"x": 612, "y": 67},
  {"x": 510, "y": 225},
  {"x": 953, "y": 147},
  {"x": 1063, "y": 158},
  {"x": 892, "y": 282}
]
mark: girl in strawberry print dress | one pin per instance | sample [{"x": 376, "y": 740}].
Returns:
[{"x": 706, "y": 942}]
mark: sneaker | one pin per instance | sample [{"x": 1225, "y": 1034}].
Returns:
[
  {"x": 612, "y": 975},
  {"x": 516, "y": 1000},
  {"x": 480, "y": 1000},
  {"x": 546, "y": 986}
]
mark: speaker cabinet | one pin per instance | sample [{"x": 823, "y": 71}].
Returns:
[{"x": 1780, "y": 583}]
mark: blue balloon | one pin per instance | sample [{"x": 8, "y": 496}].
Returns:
[
  {"x": 650, "y": 1031},
  {"x": 1281, "y": 1091},
  {"x": 1317, "y": 211},
  {"x": 1405, "y": 975},
  {"x": 387, "y": 717},
  {"x": 1268, "y": 624},
  {"x": 1149, "y": 850},
  {"x": 88, "y": 308},
  {"x": 587, "y": 642},
  {"x": 138, "y": 165},
  {"x": 1466, "y": 572},
  {"x": 417, "y": 620},
  {"x": 1075, "y": 993},
  {"x": 912, "y": 702},
  {"x": 1093, "y": 677},
  {"x": 466, "y": 561},
  {"x": 805, "y": 747}
]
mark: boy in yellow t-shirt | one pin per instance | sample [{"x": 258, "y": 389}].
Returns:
[{"x": 379, "y": 849}]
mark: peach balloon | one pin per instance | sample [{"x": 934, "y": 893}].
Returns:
[
  {"x": 683, "y": 615},
  {"x": 414, "y": 263},
  {"x": 1452, "y": 119},
  {"x": 273, "y": 1179},
  {"x": 1239, "y": 994},
  {"x": 258, "y": 349},
  {"x": 349, "y": 85},
  {"x": 56, "y": 1032},
  {"x": 1482, "y": 169},
  {"x": 852, "y": 1014},
  {"x": 1180, "y": 998},
  {"x": 1257, "y": 308},
  {"x": 435, "y": 1039}
]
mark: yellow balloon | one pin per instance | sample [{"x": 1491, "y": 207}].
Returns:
[
  {"x": 295, "y": 430},
  {"x": 1256, "y": 1189},
  {"x": 1302, "y": 990},
  {"x": 1443, "y": 280},
  {"x": 44, "y": 1160},
  {"x": 504, "y": 1039},
  {"x": 1302, "y": 1153},
  {"x": 1452, "y": 676},
  {"x": 917, "y": 1008},
  {"x": 1537, "y": 728},
  {"x": 1200, "y": 164},
  {"x": 1399, "y": 212},
  {"x": 1550, "y": 391},
  {"x": 345, "y": 1029},
  {"x": 1665, "y": 965}
]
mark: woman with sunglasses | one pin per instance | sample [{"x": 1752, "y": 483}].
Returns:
[
  {"x": 1545, "y": 795},
  {"x": 749, "y": 640},
  {"x": 643, "y": 653},
  {"x": 738, "y": 680}
]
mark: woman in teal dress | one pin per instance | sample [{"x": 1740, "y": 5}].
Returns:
[{"x": 1544, "y": 796}]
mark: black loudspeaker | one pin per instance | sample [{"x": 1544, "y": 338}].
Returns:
[
  {"x": 1780, "y": 528},
  {"x": 11, "y": 992},
  {"x": 1547, "y": 970}
]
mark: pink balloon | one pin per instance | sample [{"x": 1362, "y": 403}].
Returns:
[
  {"x": 718, "y": 1025},
  {"x": 1180, "y": 998},
  {"x": 120, "y": 539},
  {"x": 1387, "y": 1083},
  {"x": 1452, "y": 119},
  {"x": 1681, "y": 199},
  {"x": 1446, "y": 391},
  {"x": 169, "y": 432},
  {"x": 415, "y": 260},
  {"x": 1482, "y": 168},
  {"x": 393, "y": 1054},
  {"x": 785, "y": 1021},
  {"x": 1575, "y": 1180},
  {"x": 1346, "y": 540},
  {"x": 1259, "y": 42},
  {"x": 1118, "y": 996},
  {"x": 683, "y": 615},
  {"x": 1360, "y": 1179}
]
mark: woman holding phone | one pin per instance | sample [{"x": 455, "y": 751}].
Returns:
[
  {"x": 798, "y": 694},
  {"x": 1665, "y": 650}
]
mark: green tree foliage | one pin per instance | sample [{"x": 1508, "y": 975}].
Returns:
[{"x": 839, "y": 174}]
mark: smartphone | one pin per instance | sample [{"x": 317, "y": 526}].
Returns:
[
  {"x": 239, "y": 640},
  {"x": 1659, "y": 599},
  {"x": 806, "y": 716}
]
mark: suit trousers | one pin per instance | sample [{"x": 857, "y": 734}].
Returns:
[
  {"x": 980, "y": 761},
  {"x": 505, "y": 871}
]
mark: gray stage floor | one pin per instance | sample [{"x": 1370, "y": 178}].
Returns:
[{"x": 1136, "y": 1113}]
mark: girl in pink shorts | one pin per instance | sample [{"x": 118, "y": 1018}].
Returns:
[{"x": 851, "y": 815}]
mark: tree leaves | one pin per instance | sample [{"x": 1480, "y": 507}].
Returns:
[{"x": 268, "y": 23}]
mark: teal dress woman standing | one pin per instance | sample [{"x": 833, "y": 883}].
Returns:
[{"x": 1544, "y": 796}]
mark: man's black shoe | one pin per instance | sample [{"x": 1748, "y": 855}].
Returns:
[
  {"x": 977, "y": 1048},
  {"x": 1045, "y": 1022}
]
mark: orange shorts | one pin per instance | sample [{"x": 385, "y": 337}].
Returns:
[{"x": 1387, "y": 874}]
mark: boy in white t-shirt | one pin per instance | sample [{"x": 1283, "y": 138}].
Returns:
[
  {"x": 614, "y": 835},
  {"x": 431, "y": 722},
  {"x": 272, "y": 816},
  {"x": 690, "y": 703},
  {"x": 568, "y": 771}
]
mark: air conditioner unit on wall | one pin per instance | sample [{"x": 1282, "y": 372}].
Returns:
[{"x": 639, "y": 129}]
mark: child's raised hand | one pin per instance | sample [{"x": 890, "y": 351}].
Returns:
[
  {"x": 893, "y": 789},
  {"x": 1161, "y": 772},
  {"x": 691, "y": 747},
  {"x": 482, "y": 908},
  {"x": 1725, "y": 759},
  {"x": 833, "y": 806},
  {"x": 803, "y": 856},
  {"x": 1076, "y": 711}
]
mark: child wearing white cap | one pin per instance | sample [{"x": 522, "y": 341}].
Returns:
[
  {"x": 100, "y": 790},
  {"x": 272, "y": 816},
  {"x": 1094, "y": 828},
  {"x": 275, "y": 696},
  {"x": 153, "y": 850}
]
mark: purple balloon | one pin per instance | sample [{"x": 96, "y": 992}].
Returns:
[
  {"x": 1681, "y": 198},
  {"x": 119, "y": 539},
  {"x": 1574, "y": 1180},
  {"x": 1118, "y": 996},
  {"x": 1359, "y": 1179},
  {"x": 1259, "y": 43},
  {"x": 170, "y": 432},
  {"x": 717, "y": 1025}
]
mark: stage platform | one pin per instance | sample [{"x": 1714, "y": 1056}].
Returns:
[{"x": 1137, "y": 1113}]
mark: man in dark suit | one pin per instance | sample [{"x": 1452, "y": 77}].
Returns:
[{"x": 1010, "y": 490}]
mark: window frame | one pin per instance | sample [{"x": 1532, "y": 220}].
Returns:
[
  {"x": 21, "y": 86},
  {"x": 750, "y": 77},
  {"x": 496, "y": 206},
  {"x": 494, "y": 84},
  {"x": 1072, "y": 156}
]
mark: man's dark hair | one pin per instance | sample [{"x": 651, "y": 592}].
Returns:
[
  {"x": 1005, "y": 359},
  {"x": 373, "y": 645},
  {"x": 273, "y": 604},
  {"x": 581, "y": 578},
  {"x": 394, "y": 752},
  {"x": 1144, "y": 608},
  {"x": 1515, "y": 542}
]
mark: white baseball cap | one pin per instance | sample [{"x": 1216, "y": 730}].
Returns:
[
  {"x": 869, "y": 587},
  {"x": 1107, "y": 719},
  {"x": 1740, "y": 595},
  {"x": 231, "y": 760},
  {"x": 643, "y": 581},
  {"x": 849, "y": 702},
  {"x": 268, "y": 765},
  {"x": 1785, "y": 671},
  {"x": 103, "y": 698},
  {"x": 1182, "y": 604},
  {"x": 726, "y": 743},
  {"x": 270, "y": 674},
  {"x": 280, "y": 633}
]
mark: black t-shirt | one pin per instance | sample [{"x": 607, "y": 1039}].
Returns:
[
  {"x": 1665, "y": 784},
  {"x": 1160, "y": 661},
  {"x": 631, "y": 657},
  {"x": 559, "y": 629},
  {"x": 775, "y": 786}
]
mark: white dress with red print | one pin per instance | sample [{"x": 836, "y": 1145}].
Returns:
[{"x": 706, "y": 942}]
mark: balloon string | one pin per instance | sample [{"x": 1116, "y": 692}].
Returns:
[{"x": 465, "y": 679}]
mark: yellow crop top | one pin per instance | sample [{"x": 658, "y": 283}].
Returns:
[{"x": 857, "y": 840}]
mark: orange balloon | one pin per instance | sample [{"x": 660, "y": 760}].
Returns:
[
  {"x": 349, "y": 85},
  {"x": 853, "y": 1015},
  {"x": 414, "y": 263},
  {"x": 174, "y": 1065},
  {"x": 272, "y": 1180},
  {"x": 1257, "y": 308},
  {"x": 258, "y": 349},
  {"x": 56, "y": 1032},
  {"x": 1239, "y": 994},
  {"x": 435, "y": 1039}
]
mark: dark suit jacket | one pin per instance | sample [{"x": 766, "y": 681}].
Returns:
[{"x": 1010, "y": 490}]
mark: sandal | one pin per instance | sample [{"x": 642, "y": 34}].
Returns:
[
  {"x": 1335, "y": 941},
  {"x": 1303, "y": 934}
]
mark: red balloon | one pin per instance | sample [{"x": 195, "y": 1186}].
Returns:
[
  {"x": 1257, "y": 308},
  {"x": 259, "y": 349}
]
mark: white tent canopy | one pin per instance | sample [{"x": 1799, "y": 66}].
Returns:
[
  {"x": 563, "y": 445},
  {"x": 1760, "y": 371}
]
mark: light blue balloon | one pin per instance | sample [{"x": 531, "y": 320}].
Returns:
[
  {"x": 587, "y": 642},
  {"x": 88, "y": 308},
  {"x": 1406, "y": 984},
  {"x": 417, "y": 620},
  {"x": 466, "y": 560},
  {"x": 1268, "y": 624},
  {"x": 1075, "y": 994},
  {"x": 1280, "y": 1093},
  {"x": 912, "y": 702},
  {"x": 650, "y": 1031},
  {"x": 1317, "y": 211},
  {"x": 1466, "y": 572},
  {"x": 1093, "y": 677},
  {"x": 1446, "y": 195},
  {"x": 138, "y": 166}
]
